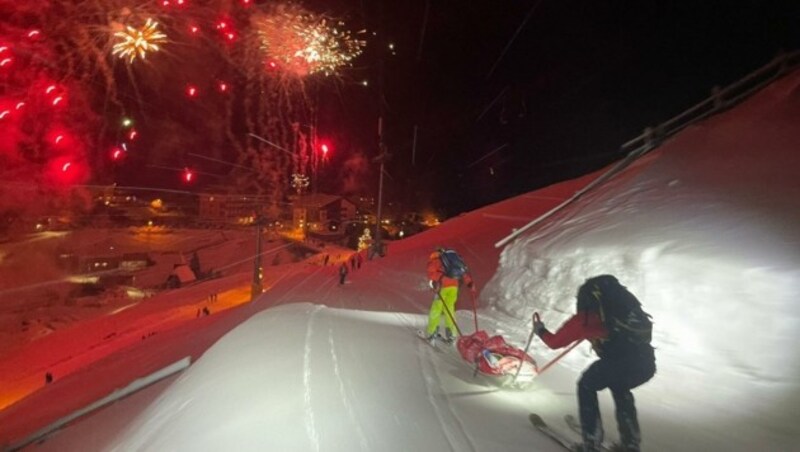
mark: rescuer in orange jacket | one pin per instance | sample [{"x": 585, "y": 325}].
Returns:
[{"x": 446, "y": 289}]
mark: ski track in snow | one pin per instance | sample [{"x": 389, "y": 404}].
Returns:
[
  {"x": 397, "y": 293},
  {"x": 311, "y": 429},
  {"x": 328, "y": 286},
  {"x": 409, "y": 322},
  {"x": 431, "y": 376},
  {"x": 343, "y": 393},
  {"x": 282, "y": 298}
]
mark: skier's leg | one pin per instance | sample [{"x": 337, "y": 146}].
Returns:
[
  {"x": 433, "y": 316},
  {"x": 631, "y": 374},
  {"x": 596, "y": 377},
  {"x": 627, "y": 421},
  {"x": 450, "y": 295}
]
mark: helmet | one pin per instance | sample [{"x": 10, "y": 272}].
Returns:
[{"x": 437, "y": 250}]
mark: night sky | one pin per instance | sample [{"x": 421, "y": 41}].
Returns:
[
  {"x": 506, "y": 96},
  {"x": 579, "y": 79}
]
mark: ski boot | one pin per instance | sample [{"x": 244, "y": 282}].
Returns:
[
  {"x": 449, "y": 337},
  {"x": 433, "y": 337}
]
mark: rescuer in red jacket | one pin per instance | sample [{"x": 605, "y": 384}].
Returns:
[{"x": 611, "y": 318}]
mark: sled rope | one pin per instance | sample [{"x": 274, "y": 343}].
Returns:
[
  {"x": 560, "y": 355},
  {"x": 474, "y": 310}
]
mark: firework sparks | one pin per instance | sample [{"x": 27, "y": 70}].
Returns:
[
  {"x": 274, "y": 47},
  {"x": 305, "y": 43},
  {"x": 137, "y": 42},
  {"x": 300, "y": 182}
]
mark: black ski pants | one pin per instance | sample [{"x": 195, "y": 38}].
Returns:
[{"x": 620, "y": 376}]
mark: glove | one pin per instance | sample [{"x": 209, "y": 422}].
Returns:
[
  {"x": 471, "y": 287},
  {"x": 434, "y": 285},
  {"x": 539, "y": 328}
]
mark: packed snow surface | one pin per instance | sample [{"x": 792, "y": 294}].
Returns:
[{"x": 705, "y": 230}]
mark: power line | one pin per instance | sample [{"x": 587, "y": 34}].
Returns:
[
  {"x": 422, "y": 30},
  {"x": 271, "y": 144},
  {"x": 33, "y": 186},
  {"x": 220, "y": 161},
  {"x": 491, "y": 104},
  {"x": 513, "y": 37},
  {"x": 493, "y": 151}
]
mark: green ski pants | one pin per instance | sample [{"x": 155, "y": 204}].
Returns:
[{"x": 449, "y": 296}]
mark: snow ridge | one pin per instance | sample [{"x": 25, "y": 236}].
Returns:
[
  {"x": 309, "y": 408},
  {"x": 362, "y": 439},
  {"x": 432, "y": 381}
]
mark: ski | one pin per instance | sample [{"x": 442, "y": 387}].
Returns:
[
  {"x": 575, "y": 425},
  {"x": 424, "y": 338},
  {"x": 563, "y": 441}
]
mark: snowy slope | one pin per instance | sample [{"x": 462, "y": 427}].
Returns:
[
  {"x": 390, "y": 284},
  {"x": 704, "y": 230},
  {"x": 353, "y": 380}
]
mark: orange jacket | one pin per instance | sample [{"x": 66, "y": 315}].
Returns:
[{"x": 436, "y": 273}]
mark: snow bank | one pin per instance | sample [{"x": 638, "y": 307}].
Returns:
[{"x": 706, "y": 232}]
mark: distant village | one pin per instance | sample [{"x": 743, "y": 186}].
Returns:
[
  {"x": 319, "y": 215},
  {"x": 309, "y": 222}
]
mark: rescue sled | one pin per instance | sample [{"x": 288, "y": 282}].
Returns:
[{"x": 494, "y": 357}]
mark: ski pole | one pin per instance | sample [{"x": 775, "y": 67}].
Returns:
[
  {"x": 449, "y": 314},
  {"x": 527, "y": 346},
  {"x": 561, "y": 355}
]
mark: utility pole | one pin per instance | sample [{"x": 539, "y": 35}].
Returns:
[
  {"x": 378, "y": 242},
  {"x": 414, "y": 147},
  {"x": 258, "y": 269}
]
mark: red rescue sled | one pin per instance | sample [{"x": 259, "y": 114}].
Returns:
[{"x": 493, "y": 356}]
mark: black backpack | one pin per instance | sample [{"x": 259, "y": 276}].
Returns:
[
  {"x": 453, "y": 265},
  {"x": 621, "y": 312}
]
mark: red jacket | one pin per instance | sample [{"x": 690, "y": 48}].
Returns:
[
  {"x": 582, "y": 325},
  {"x": 436, "y": 273}
]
